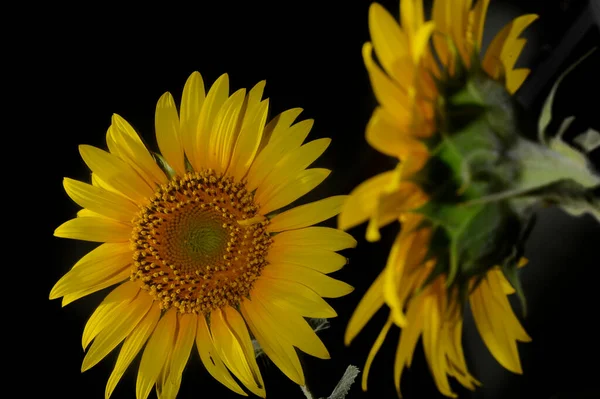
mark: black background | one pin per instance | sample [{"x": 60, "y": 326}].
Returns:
[{"x": 89, "y": 62}]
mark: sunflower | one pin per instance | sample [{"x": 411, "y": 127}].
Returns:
[
  {"x": 199, "y": 245},
  {"x": 433, "y": 118}
]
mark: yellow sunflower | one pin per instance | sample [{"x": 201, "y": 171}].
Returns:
[
  {"x": 433, "y": 270},
  {"x": 196, "y": 244}
]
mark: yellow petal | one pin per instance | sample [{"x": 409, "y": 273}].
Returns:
[
  {"x": 492, "y": 329},
  {"x": 322, "y": 284},
  {"x": 389, "y": 139},
  {"x": 291, "y": 165},
  {"x": 117, "y": 330},
  {"x": 216, "y": 97},
  {"x": 192, "y": 101},
  {"x": 391, "y": 97},
  {"x": 98, "y": 265},
  {"x": 290, "y": 327},
  {"x": 251, "y": 133},
  {"x": 94, "y": 229},
  {"x": 506, "y": 37},
  {"x": 431, "y": 344},
  {"x": 315, "y": 237},
  {"x": 294, "y": 297},
  {"x": 515, "y": 78},
  {"x": 116, "y": 173},
  {"x": 225, "y": 130},
  {"x": 280, "y": 352},
  {"x": 211, "y": 360},
  {"x": 362, "y": 201},
  {"x": 168, "y": 138},
  {"x": 238, "y": 328},
  {"x": 183, "y": 344},
  {"x": 108, "y": 310},
  {"x": 392, "y": 278},
  {"x": 318, "y": 259},
  {"x": 389, "y": 41},
  {"x": 307, "y": 214},
  {"x": 278, "y": 127},
  {"x": 100, "y": 200},
  {"x": 291, "y": 190},
  {"x": 120, "y": 277},
  {"x": 411, "y": 333},
  {"x": 374, "y": 349},
  {"x": 479, "y": 12},
  {"x": 155, "y": 354},
  {"x": 132, "y": 346},
  {"x": 232, "y": 352},
  {"x": 421, "y": 40},
  {"x": 134, "y": 152},
  {"x": 278, "y": 147},
  {"x": 370, "y": 303}
]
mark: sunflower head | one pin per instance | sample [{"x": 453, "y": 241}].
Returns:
[{"x": 203, "y": 242}]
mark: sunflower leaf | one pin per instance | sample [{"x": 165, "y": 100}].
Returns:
[
  {"x": 343, "y": 387},
  {"x": 546, "y": 115}
]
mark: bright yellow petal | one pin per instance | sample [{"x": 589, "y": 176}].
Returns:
[
  {"x": 94, "y": 229},
  {"x": 285, "y": 141},
  {"x": 280, "y": 352},
  {"x": 278, "y": 127},
  {"x": 134, "y": 152},
  {"x": 290, "y": 165},
  {"x": 225, "y": 130},
  {"x": 98, "y": 265},
  {"x": 120, "y": 277},
  {"x": 168, "y": 137},
  {"x": 100, "y": 200},
  {"x": 231, "y": 349},
  {"x": 251, "y": 133},
  {"x": 206, "y": 128},
  {"x": 290, "y": 327},
  {"x": 116, "y": 173},
  {"x": 132, "y": 346},
  {"x": 192, "y": 101},
  {"x": 292, "y": 189},
  {"x": 108, "y": 310},
  {"x": 307, "y": 214},
  {"x": 322, "y": 284},
  {"x": 370, "y": 303},
  {"x": 155, "y": 354},
  {"x": 315, "y": 237},
  {"x": 238, "y": 328},
  {"x": 294, "y": 297},
  {"x": 183, "y": 344},
  {"x": 211, "y": 359},
  {"x": 115, "y": 332},
  {"x": 314, "y": 258}
]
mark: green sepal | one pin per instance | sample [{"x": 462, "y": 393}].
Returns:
[{"x": 164, "y": 165}]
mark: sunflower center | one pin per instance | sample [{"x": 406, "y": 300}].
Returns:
[{"x": 191, "y": 251}]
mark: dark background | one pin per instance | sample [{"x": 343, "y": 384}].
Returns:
[{"x": 89, "y": 62}]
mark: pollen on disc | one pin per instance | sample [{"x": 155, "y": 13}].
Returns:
[{"x": 190, "y": 252}]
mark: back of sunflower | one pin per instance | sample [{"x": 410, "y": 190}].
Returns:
[{"x": 465, "y": 186}]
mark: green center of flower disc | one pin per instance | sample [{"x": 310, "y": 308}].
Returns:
[
  {"x": 196, "y": 239},
  {"x": 192, "y": 249}
]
